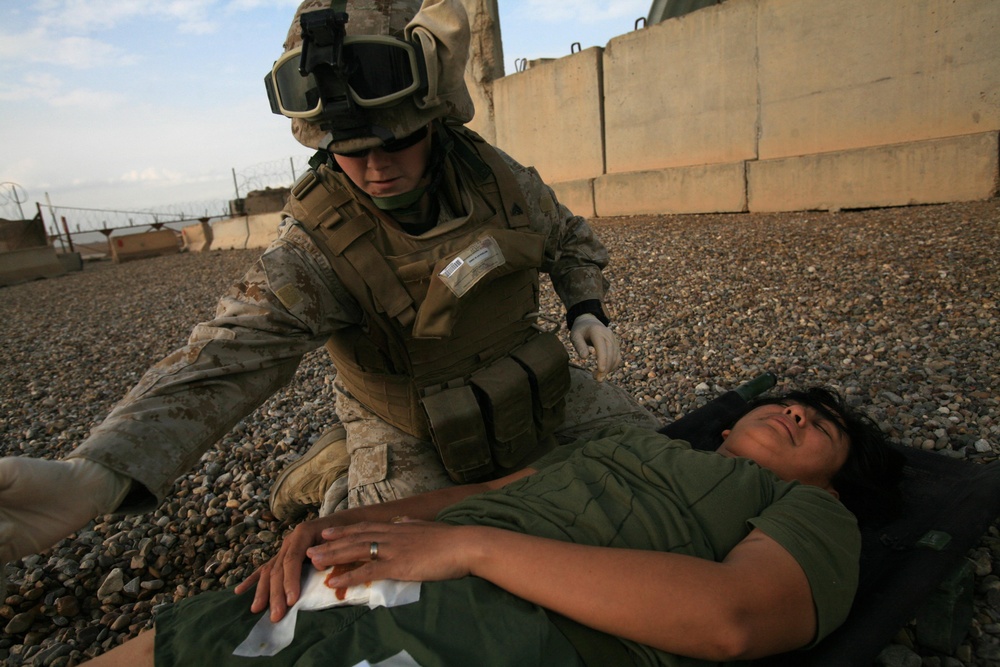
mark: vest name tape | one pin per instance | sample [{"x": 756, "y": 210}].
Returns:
[{"x": 471, "y": 265}]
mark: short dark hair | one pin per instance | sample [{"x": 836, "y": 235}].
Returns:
[{"x": 869, "y": 481}]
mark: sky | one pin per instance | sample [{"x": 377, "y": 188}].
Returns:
[{"x": 137, "y": 106}]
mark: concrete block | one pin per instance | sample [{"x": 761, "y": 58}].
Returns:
[
  {"x": 19, "y": 234},
  {"x": 683, "y": 92},
  {"x": 197, "y": 237},
  {"x": 128, "y": 247},
  {"x": 230, "y": 234},
  {"x": 577, "y": 196},
  {"x": 19, "y": 266},
  {"x": 716, "y": 188},
  {"x": 268, "y": 200},
  {"x": 855, "y": 73},
  {"x": 71, "y": 261},
  {"x": 925, "y": 172},
  {"x": 549, "y": 117},
  {"x": 262, "y": 229}
]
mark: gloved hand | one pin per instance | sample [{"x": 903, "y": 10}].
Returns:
[
  {"x": 43, "y": 501},
  {"x": 588, "y": 332}
]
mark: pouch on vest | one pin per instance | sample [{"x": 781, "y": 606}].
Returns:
[
  {"x": 504, "y": 393},
  {"x": 546, "y": 361},
  {"x": 459, "y": 433},
  {"x": 499, "y": 252}
]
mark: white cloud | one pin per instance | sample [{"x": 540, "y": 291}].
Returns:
[
  {"x": 152, "y": 175},
  {"x": 250, "y": 5},
  {"x": 40, "y": 46},
  {"x": 89, "y": 99},
  {"x": 53, "y": 91}
]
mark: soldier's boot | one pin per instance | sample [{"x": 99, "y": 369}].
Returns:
[{"x": 302, "y": 484}]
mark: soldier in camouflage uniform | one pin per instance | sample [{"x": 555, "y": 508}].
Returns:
[{"x": 412, "y": 251}]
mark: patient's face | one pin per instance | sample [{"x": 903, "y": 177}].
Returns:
[{"x": 792, "y": 440}]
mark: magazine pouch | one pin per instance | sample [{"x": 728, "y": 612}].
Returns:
[
  {"x": 546, "y": 362},
  {"x": 459, "y": 434},
  {"x": 504, "y": 393}
]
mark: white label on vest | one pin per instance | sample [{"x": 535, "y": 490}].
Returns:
[{"x": 471, "y": 265}]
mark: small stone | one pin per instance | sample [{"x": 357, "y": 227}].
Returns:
[
  {"x": 113, "y": 583},
  {"x": 121, "y": 623},
  {"x": 133, "y": 587},
  {"x": 20, "y": 623},
  {"x": 67, "y": 606},
  {"x": 897, "y": 656}
]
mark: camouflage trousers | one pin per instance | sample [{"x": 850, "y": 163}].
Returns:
[{"x": 387, "y": 463}]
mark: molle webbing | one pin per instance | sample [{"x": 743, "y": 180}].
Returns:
[
  {"x": 393, "y": 397},
  {"x": 476, "y": 154},
  {"x": 325, "y": 206}
]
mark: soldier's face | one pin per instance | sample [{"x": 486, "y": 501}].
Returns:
[{"x": 384, "y": 174}]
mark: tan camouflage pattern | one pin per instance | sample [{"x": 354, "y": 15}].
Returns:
[
  {"x": 442, "y": 27},
  {"x": 287, "y": 304},
  {"x": 388, "y": 464}
]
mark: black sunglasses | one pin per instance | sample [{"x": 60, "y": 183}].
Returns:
[{"x": 391, "y": 146}]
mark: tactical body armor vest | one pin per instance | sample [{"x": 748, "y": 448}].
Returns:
[{"x": 449, "y": 350}]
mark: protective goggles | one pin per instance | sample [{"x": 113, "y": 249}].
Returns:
[
  {"x": 379, "y": 71},
  {"x": 391, "y": 146}
]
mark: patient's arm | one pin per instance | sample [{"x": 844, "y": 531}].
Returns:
[{"x": 756, "y": 602}]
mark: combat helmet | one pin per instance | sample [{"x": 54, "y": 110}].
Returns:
[{"x": 413, "y": 55}]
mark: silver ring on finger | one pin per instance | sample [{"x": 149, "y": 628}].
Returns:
[{"x": 373, "y": 550}]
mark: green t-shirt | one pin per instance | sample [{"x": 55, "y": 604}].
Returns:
[{"x": 633, "y": 488}]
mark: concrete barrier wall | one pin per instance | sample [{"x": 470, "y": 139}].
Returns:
[
  {"x": 919, "y": 172},
  {"x": 128, "y": 247},
  {"x": 683, "y": 92},
  {"x": 263, "y": 229},
  {"x": 858, "y": 73},
  {"x": 239, "y": 233},
  {"x": 267, "y": 200},
  {"x": 197, "y": 237},
  {"x": 577, "y": 195},
  {"x": 20, "y": 234},
  {"x": 549, "y": 117},
  {"x": 18, "y": 266},
  {"x": 230, "y": 234},
  {"x": 713, "y": 188},
  {"x": 770, "y": 105}
]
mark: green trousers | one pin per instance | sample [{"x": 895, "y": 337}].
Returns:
[{"x": 461, "y": 622}]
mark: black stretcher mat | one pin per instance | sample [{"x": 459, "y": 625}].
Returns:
[{"x": 948, "y": 504}]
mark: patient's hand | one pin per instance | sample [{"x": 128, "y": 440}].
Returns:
[
  {"x": 278, "y": 580},
  {"x": 407, "y": 551}
]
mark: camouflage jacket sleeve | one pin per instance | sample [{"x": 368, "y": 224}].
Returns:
[
  {"x": 574, "y": 257},
  {"x": 285, "y": 306}
]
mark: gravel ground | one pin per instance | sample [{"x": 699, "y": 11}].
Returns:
[{"x": 895, "y": 307}]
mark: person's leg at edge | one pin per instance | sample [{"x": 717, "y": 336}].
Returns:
[
  {"x": 593, "y": 405},
  {"x": 386, "y": 462}
]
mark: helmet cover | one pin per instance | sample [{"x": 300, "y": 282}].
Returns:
[{"x": 441, "y": 27}]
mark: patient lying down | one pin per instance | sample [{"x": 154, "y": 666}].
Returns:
[{"x": 629, "y": 542}]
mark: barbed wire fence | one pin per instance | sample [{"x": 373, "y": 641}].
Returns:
[
  {"x": 87, "y": 229},
  {"x": 275, "y": 173}
]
